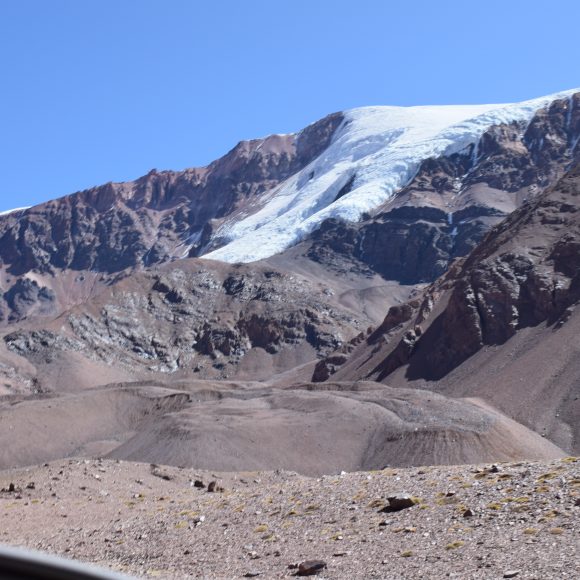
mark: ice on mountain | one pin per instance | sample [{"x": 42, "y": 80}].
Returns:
[{"x": 383, "y": 148}]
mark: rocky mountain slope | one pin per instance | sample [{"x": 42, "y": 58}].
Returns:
[
  {"x": 396, "y": 191},
  {"x": 191, "y": 318},
  {"x": 500, "y": 324}
]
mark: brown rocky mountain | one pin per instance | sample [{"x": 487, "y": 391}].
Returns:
[
  {"x": 150, "y": 220},
  {"x": 501, "y": 324},
  {"x": 111, "y": 319},
  {"x": 122, "y": 226},
  {"x": 412, "y": 238}
]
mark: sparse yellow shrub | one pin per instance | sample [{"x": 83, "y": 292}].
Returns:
[{"x": 454, "y": 545}]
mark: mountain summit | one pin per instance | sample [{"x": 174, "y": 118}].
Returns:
[{"x": 373, "y": 154}]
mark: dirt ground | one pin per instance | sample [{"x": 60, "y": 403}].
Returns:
[{"x": 489, "y": 521}]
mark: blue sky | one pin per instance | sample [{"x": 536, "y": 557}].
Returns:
[{"x": 104, "y": 90}]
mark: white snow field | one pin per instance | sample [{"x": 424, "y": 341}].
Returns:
[{"x": 383, "y": 148}]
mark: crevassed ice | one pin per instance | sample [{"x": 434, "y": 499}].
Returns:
[{"x": 383, "y": 148}]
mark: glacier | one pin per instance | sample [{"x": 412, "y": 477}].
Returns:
[{"x": 381, "y": 148}]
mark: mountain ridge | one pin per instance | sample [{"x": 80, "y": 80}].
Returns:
[
  {"x": 450, "y": 202},
  {"x": 116, "y": 286}
]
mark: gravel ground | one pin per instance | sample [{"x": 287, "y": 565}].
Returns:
[{"x": 507, "y": 520}]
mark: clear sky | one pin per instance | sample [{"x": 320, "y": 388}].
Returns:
[{"x": 105, "y": 90}]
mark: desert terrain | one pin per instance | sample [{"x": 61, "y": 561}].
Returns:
[{"x": 516, "y": 519}]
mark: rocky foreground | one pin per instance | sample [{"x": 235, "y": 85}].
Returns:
[{"x": 489, "y": 521}]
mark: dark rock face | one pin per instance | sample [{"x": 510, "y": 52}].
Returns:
[
  {"x": 408, "y": 244},
  {"x": 159, "y": 216},
  {"x": 453, "y": 201},
  {"x": 24, "y": 297}
]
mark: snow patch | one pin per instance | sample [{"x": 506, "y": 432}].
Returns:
[{"x": 9, "y": 211}]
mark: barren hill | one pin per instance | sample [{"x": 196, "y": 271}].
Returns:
[{"x": 313, "y": 429}]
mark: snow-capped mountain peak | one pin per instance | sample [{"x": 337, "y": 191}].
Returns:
[{"x": 375, "y": 153}]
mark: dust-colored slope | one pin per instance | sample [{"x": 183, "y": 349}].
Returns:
[
  {"x": 312, "y": 429},
  {"x": 86, "y": 424},
  {"x": 342, "y": 427}
]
